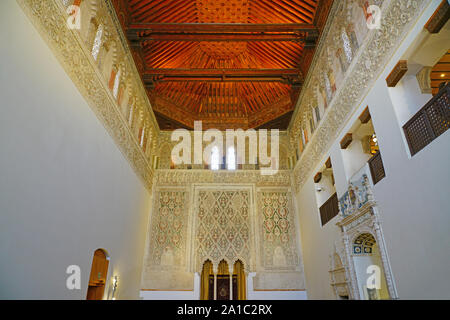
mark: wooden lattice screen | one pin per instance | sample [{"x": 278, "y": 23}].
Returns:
[
  {"x": 329, "y": 209},
  {"x": 430, "y": 122},
  {"x": 376, "y": 168}
]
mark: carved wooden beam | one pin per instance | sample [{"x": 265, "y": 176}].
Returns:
[
  {"x": 365, "y": 116},
  {"x": 223, "y": 27},
  {"x": 289, "y": 76},
  {"x": 345, "y": 142},
  {"x": 220, "y": 37},
  {"x": 397, "y": 73},
  {"x": 439, "y": 18},
  {"x": 231, "y": 32},
  {"x": 328, "y": 164},
  {"x": 317, "y": 177}
]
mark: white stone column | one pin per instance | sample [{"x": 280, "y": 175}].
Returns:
[
  {"x": 215, "y": 285},
  {"x": 231, "y": 282},
  {"x": 384, "y": 256},
  {"x": 351, "y": 267}
]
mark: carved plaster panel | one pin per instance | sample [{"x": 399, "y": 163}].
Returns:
[
  {"x": 223, "y": 226},
  {"x": 277, "y": 230}
]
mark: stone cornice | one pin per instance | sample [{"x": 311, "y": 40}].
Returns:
[
  {"x": 397, "y": 17},
  {"x": 49, "y": 19}
]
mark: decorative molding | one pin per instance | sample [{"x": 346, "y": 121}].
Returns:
[
  {"x": 279, "y": 290},
  {"x": 49, "y": 18},
  {"x": 167, "y": 290},
  {"x": 365, "y": 69},
  {"x": 176, "y": 177}
]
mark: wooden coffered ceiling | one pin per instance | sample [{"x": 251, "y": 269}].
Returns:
[{"x": 231, "y": 64}]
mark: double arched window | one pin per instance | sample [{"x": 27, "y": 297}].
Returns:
[
  {"x": 215, "y": 159},
  {"x": 230, "y": 158},
  {"x": 97, "y": 42}
]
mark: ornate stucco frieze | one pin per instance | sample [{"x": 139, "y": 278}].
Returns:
[
  {"x": 360, "y": 75},
  {"x": 184, "y": 177}
]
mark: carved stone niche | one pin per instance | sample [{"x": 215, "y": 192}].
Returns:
[
  {"x": 359, "y": 214},
  {"x": 338, "y": 276},
  {"x": 424, "y": 79}
]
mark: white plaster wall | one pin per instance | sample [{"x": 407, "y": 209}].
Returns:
[
  {"x": 407, "y": 98},
  {"x": 169, "y": 295},
  {"x": 413, "y": 200},
  {"x": 65, "y": 188},
  {"x": 251, "y": 294},
  {"x": 317, "y": 243},
  {"x": 272, "y": 295},
  {"x": 174, "y": 295},
  {"x": 353, "y": 158}
]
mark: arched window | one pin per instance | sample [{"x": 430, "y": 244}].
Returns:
[
  {"x": 312, "y": 125},
  {"x": 363, "y": 244},
  {"x": 317, "y": 113},
  {"x": 231, "y": 158},
  {"x": 327, "y": 86},
  {"x": 142, "y": 136},
  {"x": 215, "y": 161},
  {"x": 116, "y": 84},
  {"x": 131, "y": 114},
  {"x": 97, "y": 42}
]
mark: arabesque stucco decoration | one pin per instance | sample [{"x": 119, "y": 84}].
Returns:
[
  {"x": 223, "y": 226},
  {"x": 277, "y": 230},
  {"x": 222, "y": 215},
  {"x": 169, "y": 227},
  {"x": 368, "y": 62}
]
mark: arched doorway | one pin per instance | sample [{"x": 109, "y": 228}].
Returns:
[
  {"x": 223, "y": 282},
  {"x": 366, "y": 258},
  {"x": 241, "y": 290},
  {"x": 97, "y": 278},
  {"x": 205, "y": 281},
  {"x": 216, "y": 286}
]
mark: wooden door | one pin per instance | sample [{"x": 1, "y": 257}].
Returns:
[
  {"x": 97, "y": 278},
  {"x": 223, "y": 287}
]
